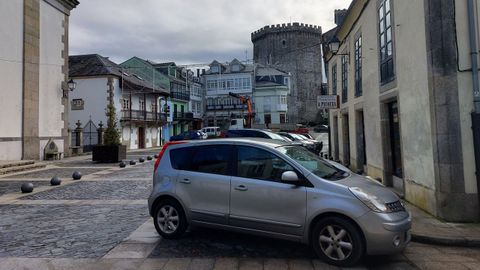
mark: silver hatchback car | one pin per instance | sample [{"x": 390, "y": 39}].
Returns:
[{"x": 274, "y": 189}]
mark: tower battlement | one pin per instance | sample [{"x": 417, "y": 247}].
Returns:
[{"x": 286, "y": 27}]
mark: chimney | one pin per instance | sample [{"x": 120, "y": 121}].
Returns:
[
  {"x": 203, "y": 71},
  {"x": 340, "y": 15},
  {"x": 198, "y": 72}
]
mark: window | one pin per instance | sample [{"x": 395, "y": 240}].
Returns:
[
  {"x": 125, "y": 104},
  {"x": 260, "y": 164},
  {"x": 344, "y": 79},
  {"x": 212, "y": 159},
  {"x": 142, "y": 105},
  {"x": 386, "y": 42},
  {"x": 283, "y": 99},
  {"x": 334, "y": 80},
  {"x": 286, "y": 81},
  {"x": 180, "y": 158},
  {"x": 358, "y": 66},
  {"x": 284, "y": 43},
  {"x": 214, "y": 69},
  {"x": 236, "y": 68},
  {"x": 313, "y": 163},
  {"x": 283, "y": 118}
]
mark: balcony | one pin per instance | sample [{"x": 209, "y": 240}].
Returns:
[
  {"x": 226, "y": 107},
  {"x": 180, "y": 96},
  {"x": 183, "y": 116},
  {"x": 138, "y": 115}
]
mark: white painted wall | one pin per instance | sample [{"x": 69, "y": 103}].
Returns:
[
  {"x": 270, "y": 97},
  {"x": 51, "y": 77},
  {"x": 11, "y": 53},
  {"x": 414, "y": 96},
  {"x": 412, "y": 87}
]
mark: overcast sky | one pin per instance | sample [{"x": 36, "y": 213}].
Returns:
[{"x": 185, "y": 31}]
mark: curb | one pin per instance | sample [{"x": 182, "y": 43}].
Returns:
[{"x": 435, "y": 240}]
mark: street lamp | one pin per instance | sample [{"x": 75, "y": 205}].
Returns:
[
  {"x": 334, "y": 45},
  {"x": 71, "y": 84}
]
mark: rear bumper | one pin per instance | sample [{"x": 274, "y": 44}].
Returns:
[{"x": 386, "y": 233}]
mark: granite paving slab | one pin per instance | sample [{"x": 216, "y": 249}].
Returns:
[
  {"x": 7, "y": 187},
  {"x": 60, "y": 172},
  {"x": 210, "y": 243},
  {"x": 97, "y": 190},
  {"x": 73, "y": 231}
]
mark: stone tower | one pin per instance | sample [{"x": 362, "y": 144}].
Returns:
[{"x": 294, "y": 48}]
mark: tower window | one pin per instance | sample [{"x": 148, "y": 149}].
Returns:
[{"x": 284, "y": 43}]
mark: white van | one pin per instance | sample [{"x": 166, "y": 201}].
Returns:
[
  {"x": 238, "y": 123},
  {"x": 212, "y": 131}
]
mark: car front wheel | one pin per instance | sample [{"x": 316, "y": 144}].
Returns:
[
  {"x": 169, "y": 219},
  {"x": 337, "y": 241}
]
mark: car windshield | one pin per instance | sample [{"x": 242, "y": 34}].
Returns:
[
  {"x": 313, "y": 163},
  {"x": 297, "y": 137},
  {"x": 276, "y": 136}
]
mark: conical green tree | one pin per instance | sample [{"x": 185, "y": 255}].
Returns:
[{"x": 111, "y": 133}]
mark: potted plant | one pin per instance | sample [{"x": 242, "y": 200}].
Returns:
[{"x": 110, "y": 150}]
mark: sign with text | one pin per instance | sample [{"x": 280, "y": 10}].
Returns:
[{"x": 327, "y": 102}]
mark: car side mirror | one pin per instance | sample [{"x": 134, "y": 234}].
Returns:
[{"x": 290, "y": 177}]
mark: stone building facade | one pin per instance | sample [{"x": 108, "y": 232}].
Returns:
[
  {"x": 296, "y": 49},
  {"x": 403, "y": 72},
  {"x": 34, "y": 68}
]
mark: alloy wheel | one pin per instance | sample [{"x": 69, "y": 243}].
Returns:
[
  {"x": 168, "y": 219},
  {"x": 335, "y": 242}
]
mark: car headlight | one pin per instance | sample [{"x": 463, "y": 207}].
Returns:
[{"x": 370, "y": 200}]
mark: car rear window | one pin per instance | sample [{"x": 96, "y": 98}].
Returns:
[{"x": 180, "y": 158}]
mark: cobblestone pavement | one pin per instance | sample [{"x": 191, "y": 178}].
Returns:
[
  {"x": 66, "y": 230},
  {"x": 14, "y": 186},
  {"x": 142, "y": 170},
  {"x": 97, "y": 190},
  {"x": 102, "y": 222}
]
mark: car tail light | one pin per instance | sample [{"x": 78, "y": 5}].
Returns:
[{"x": 157, "y": 162}]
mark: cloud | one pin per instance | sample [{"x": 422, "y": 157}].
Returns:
[{"x": 185, "y": 31}]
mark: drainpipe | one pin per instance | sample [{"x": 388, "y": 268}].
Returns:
[{"x": 476, "y": 93}]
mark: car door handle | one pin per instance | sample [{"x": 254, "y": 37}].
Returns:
[
  {"x": 185, "y": 181},
  {"x": 241, "y": 188}
]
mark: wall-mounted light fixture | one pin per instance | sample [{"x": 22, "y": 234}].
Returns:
[
  {"x": 334, "y": 45},
  {"x": 71, "y": 84}
]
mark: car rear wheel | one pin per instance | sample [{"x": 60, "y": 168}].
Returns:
[
  {"x": 337, "y": 241},
  {"x": 169, "y": 219}
]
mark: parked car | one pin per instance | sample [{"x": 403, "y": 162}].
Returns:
[
  {"x": 212, "y": 131},
  {"x": 254, "y": 133},
  {"x": 275, "y": 189},
  {"x": 311, "y": 145},
  {"x": 187, "y": 135},
  {"x": 203, "y": 134},
  {"x": 301, "y": 130},
  {"x": 321, "y": 128},
  {"x": 318, "y": 145}
]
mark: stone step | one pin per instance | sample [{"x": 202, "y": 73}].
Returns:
[
  {"x": 21, "y": 168},
  {"x": 13, "y": 163}
]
